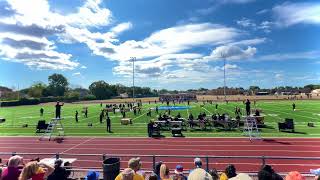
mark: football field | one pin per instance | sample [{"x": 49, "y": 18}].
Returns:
[{"x": 273, "y": 112}]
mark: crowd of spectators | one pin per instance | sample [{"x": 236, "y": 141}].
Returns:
[
  {"x": 16, "y": 169},
  {"x": 162, "y": 172}
]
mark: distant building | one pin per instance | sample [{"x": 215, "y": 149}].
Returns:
[
  {"x": 177, "y": 97},
  {"x": 124, "y": 95},
  {"x": 316, "y": 92},
  {"x": 262, "y": 93}
]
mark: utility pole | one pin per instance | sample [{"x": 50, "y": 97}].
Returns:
[{"x": 133, "y": 59}]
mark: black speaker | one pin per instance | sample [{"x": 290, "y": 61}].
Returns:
[{"x": 310, "y": 124}]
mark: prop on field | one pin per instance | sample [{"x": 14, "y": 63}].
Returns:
[
  {"x": 310, "y": 124},
  {"x": 2, "y": 119},
  {"x": 287, "y": 125},
  {"x": 126, "y": 121}
]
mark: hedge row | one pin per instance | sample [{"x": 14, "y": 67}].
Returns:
[{"x": 23, "y": 101}]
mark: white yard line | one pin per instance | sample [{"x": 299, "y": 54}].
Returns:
[
  {"x": 207, "y": 110},
  {"x": 77, "y": 145}
]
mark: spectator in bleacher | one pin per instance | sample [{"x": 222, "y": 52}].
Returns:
[
  {"x": 135, "y": 165},
  {"x": 127, "y": 174},
  {"x": 59, "y": 172},
  {"x": 157, "y": 169},
  {"x": 92, "y": 175},
  {"x": 241, "y": 176},
  {"x": 164, "y": 172},
  {"x": 153, "y": 176},
  {"x": 316, "y": 172},
  {"x": 264, "y": 175},
  {"x": 229, "y": 172},
  {"x": 274, "y": 175},
  {"x": 36, "y": 171},
  {"x": 13, "y": 171},
  {"x": 294, "y": 175},
  {"x": 197, "y": 162},
  {"x": 199, "y": 174},
  {"x": 178, "y": 173},
  {"x": 214, "y": 173}
]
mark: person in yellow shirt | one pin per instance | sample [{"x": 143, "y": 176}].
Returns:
[{"x": 135, "y": 165}]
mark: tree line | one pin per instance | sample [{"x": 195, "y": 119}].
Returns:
[{"x": 59, "y": 86}]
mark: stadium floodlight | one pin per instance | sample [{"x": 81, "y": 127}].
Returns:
[{"x": 133, "y": 59}]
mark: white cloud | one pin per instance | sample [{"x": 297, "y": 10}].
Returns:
[
  {"x": 24, "y": 32},
  {"x": 290, "y": 56},
  {"x": 245, "y": 22},
  {"x": 266, "y": 26},
  {"x": 76, "y": 74},
  {"x": 121, "y": 27},
  {"x": 248, "y": 42},
  {"x": 174, "y": 40},
  {"x": 234, "y": 1},
  {"x": 288, "y": 14},
  {"x": 263, "y": 11},
  {"x": 83, "y": 67},
  {"x": 90, "y": 14},
  {"x": 231, "y": 52}
]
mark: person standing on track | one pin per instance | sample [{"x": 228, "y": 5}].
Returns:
[
  {"x": 58, "y": 110},
  {"x": 108, "y": 124},
  {"x": 248, "y": 107}
]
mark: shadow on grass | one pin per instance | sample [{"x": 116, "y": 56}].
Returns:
[
  {"x": 201, "y": 130},
  {"x": 227, "y": 130},
  {"x": 158, "y": 137},
  {"x": 266, "y": 127}
]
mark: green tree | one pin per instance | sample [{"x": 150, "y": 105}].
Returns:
[
  {"x": 58, "y": 84},
  {"x": 36, "y": 90},
  {"x": 100, "y": 89}
]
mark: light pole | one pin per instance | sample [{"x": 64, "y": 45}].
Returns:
[
  {"x": 224, "y": 77},
  {"x": 133, "y": 59}
]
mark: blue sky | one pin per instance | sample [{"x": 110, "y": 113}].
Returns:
[{"x": 177, "y": 44}]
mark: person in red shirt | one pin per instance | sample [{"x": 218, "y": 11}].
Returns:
[{"x": 13, "y": 171}]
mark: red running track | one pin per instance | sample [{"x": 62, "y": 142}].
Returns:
[{"x": 291, "y": 147}]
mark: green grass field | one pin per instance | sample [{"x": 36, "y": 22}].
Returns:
[{"x": 274, "y": 112}]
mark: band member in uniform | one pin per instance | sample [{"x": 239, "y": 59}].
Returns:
[
  {"x": 294, "y": 107},
  {"x": 58, "y": 109},
  {"x": 101, "y": 116},
  {"x": 108, "y": 124},
  {"x": 41, "y": 112},
  {"x": 248, "y": 107},
  {"x": 76, "y": 116}
]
